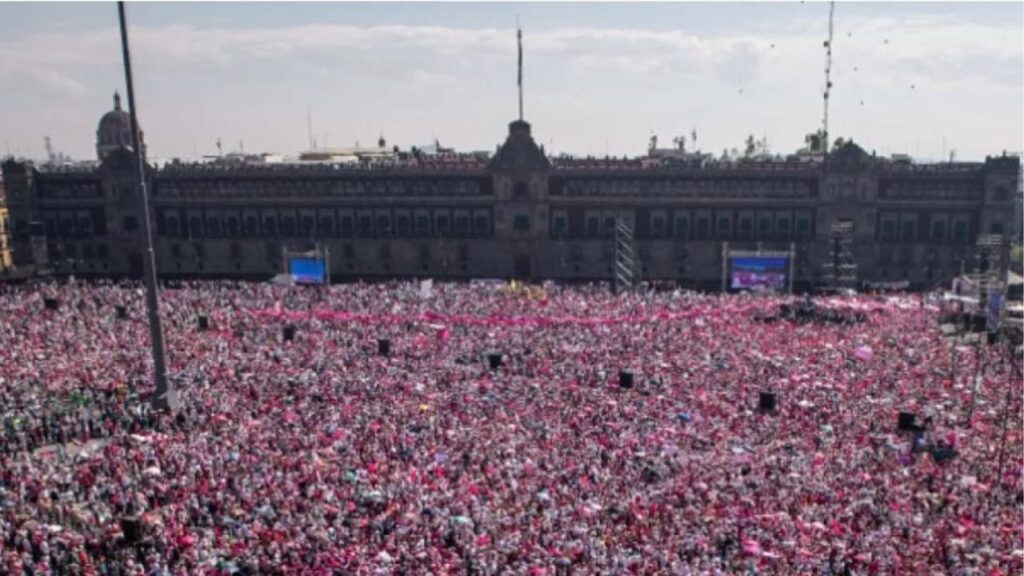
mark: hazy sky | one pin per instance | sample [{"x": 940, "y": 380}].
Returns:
[{"x": 916, "y": 78}]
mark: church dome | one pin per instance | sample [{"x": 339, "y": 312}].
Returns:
[{"x": 115, "y": 130}]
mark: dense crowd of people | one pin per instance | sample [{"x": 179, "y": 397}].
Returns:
[{"x": 320, "y": 455}]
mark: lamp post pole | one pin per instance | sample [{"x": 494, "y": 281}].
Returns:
[{"x": 163, "y": 397}]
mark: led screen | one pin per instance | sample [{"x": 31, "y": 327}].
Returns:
[
  {"x": 306, "y": 270},
  {"x": 758, "y": 272}
]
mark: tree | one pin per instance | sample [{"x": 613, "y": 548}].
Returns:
[
  {"x": 750, "y": 147},
  {"x": 814, "y": 143}
]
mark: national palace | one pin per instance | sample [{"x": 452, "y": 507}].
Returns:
[{"x": 516, "y": 213}]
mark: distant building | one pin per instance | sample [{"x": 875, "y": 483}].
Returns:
[
  {"x": 519, "y": 213},
  {"x": 5, "y": 243}
]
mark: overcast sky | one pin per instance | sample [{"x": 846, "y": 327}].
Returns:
[{"x": 919, "y": 78}]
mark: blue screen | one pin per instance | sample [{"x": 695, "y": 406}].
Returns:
[{"x": 306, "y": 270}]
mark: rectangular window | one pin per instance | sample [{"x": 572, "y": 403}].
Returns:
[
  {"x": 422, "y": 226},
  {"x": 682, "y": 228},
  {"x": 658, "y": 227},
  {"x": 703, "y": 228},
  {"x": 724, "y": 228},
  {"x": 960, "y": 231},
  {"x": 593, "y": 227},
  {"x": 938, "y": 231},
  {"x": 803, "y": 229},
  {"x": 462, "y": 225},
  {"x": 559, "y": 227},
  {"x": 908, "y": 232},
  {"x": 764, "y": 228},
  {"x": 130, "y": 225},
  {"x": 888, "y": 230},
  {"x": 482, "y": 227},
  {"x": 521, "y": 223}
]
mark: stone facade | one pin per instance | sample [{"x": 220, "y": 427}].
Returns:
[{"x": 520, "y": 214}]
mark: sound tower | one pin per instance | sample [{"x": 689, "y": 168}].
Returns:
[
  {"x": 51, "y": 303},
  {"x": 131, "y": 527},
  {"x": 122, "y": 313},
  {"x": 767, "y": 401},
  {"x": 905, "y": 422},
  {"x": 289, "y": 332},
  {"x": 494, "y": 361},
  {"x": 383, "y": 346},
  {"x": 625, "y": 379},
  {"x": 203, "y": 323}
]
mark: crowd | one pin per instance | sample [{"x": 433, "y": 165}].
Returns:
[{"x": 319, "y": 455}]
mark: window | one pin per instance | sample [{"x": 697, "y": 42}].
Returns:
[
  {"x": 960, "y": 231},
  {"x": 724, "y": 227},
  {"x": 558, "y": 229},
  {"x": 888, "y": 230},
  {"x": 764, "y": 228},
  {"x": 346, "y": 226},
  {"x": 609, "y": 225},
  {"x": 84, "y": 228},
  {"x": 287, "y": 226},
  {"x": 746, "y": 227},
  {"x": 938, "y": 231},
  {"x": 908, "y": 232},
  {"x": 521, "y": 223},
  {"x": 462, "y": 225},
  {"x": 782, "y": 227},
  {"x": 482, "y": 226},
  {"x": 682, "y": 227},
  {"x": 306, "y": 226},
  {"x": 270, "y": 226},
  {"x": 703, "y": 228},
  {"x": 195, "y": 226},
  {"x": 213, "y": 226},
  {"x": 658, "y": 227},
  {"x": 402, "y": 225},
  {"x": 326, "y": 226},
  {"x": 232, "y": 226},
  {"x": 592, "y": 227},
  {"x": 172, "y": 226},
  {"x": 422, "y": 225},
  {"x": 129, "y": 224},
  {"x": 384, "y": 225},
  {"x": 442, "y": 225},
  {"x": 996, "y": 228},
  {"x": 251, "y": 227},
  {"x": 803, "y": 229}
]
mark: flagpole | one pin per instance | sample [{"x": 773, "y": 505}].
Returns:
[
  {"x": 163, "y": 397},
  {"x": 519, "y": 39}
]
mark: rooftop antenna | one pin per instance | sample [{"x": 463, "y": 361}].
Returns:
[
  {"x": 309, "y": 129},
  {"x": 828, "y": 71},
  {"x": 51, "y": 157},
  {"x": 220, "y": 147},
  {"x": 519, "y": 39},
  {"x": 164, "y": 397}
]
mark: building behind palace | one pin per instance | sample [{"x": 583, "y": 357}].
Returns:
[{"x": 383, "y": 213}]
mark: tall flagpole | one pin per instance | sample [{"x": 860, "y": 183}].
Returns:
[
  {"x": 163, "y": 397},
  {"x": 519, "y": 38}
]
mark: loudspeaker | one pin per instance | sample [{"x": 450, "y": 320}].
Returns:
[
  {"x": 494, "y": 360},
  {"x": 51, "y": 303},
  {"x": 289, "y": 332},
  {"x": 203, "y": 322},
  {"x": 122, "y": 312},
  {"x": 383, "y": 346},
  {"x": 132, "y": 529},
  {"x": 625, "y": 379},
  {"x": 978, "y": 323},
  {"x": 905, "y": 422},
  {"x": 766, "y": 401}
]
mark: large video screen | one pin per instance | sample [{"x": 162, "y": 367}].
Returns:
[
  {"x": 748, "y": 273},
  {"x": 306, "y": 270}
]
